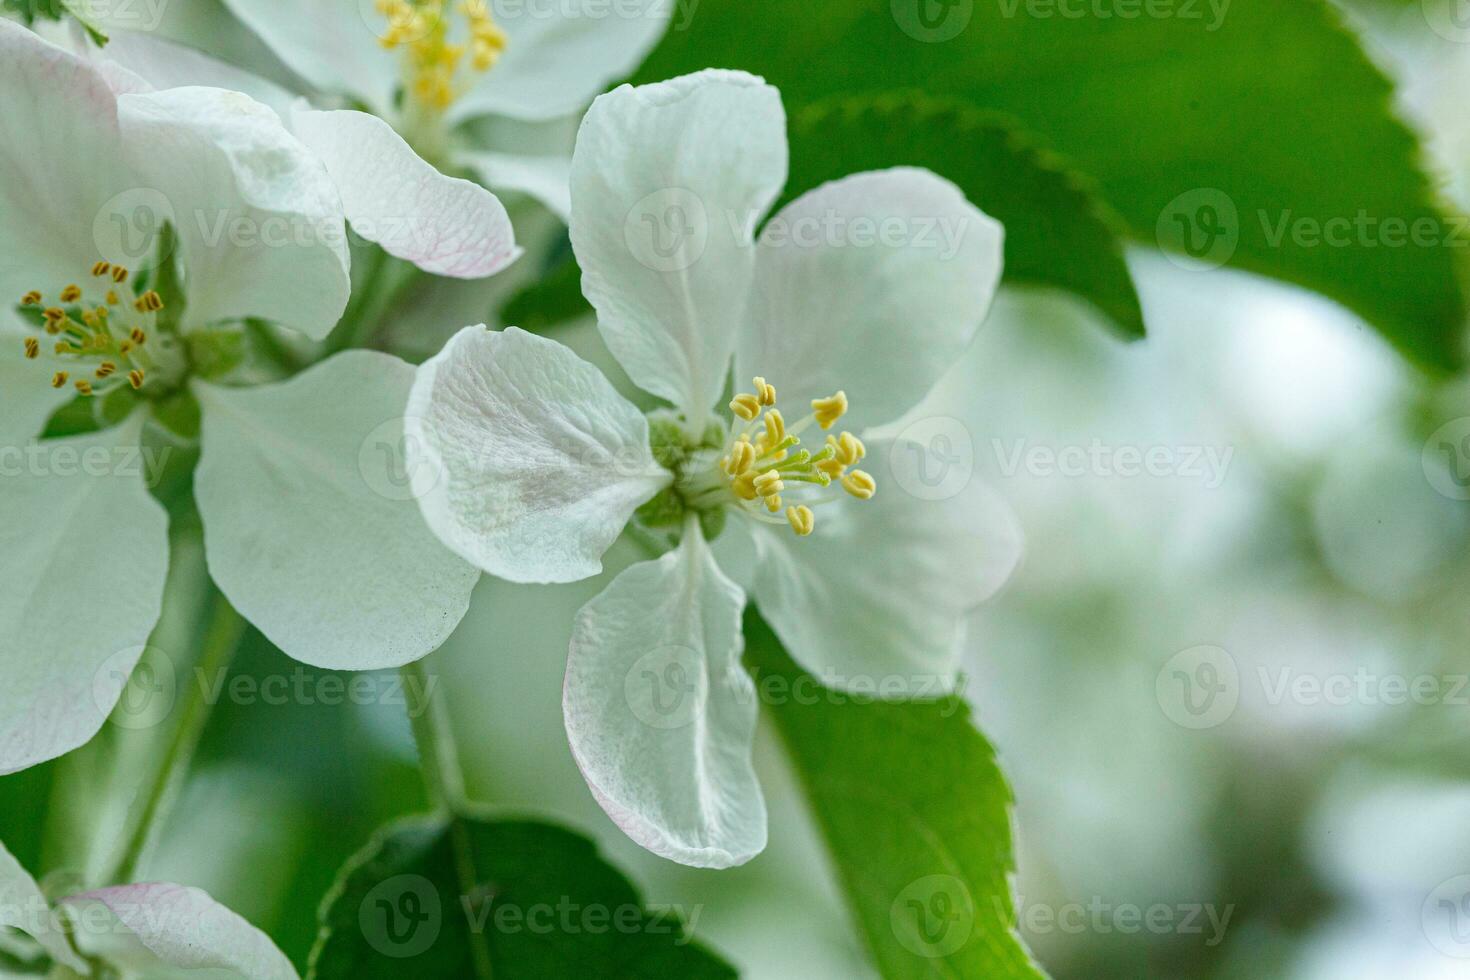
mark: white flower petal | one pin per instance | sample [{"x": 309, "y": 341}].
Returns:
[
  {"x": 62, "y": 163},
  {"x": 444, "y": 225},
  {"x": 660, "y": 714},
  {"x": 164, "y": 64},
  {"x": 333, "y": 44},
  {"x": 873, "y": 285},
  {"x": 258, "y": 217},
  {"x": 668, "y": 182},
  {"x": 143, "y": 927},
  {"x": 24, "y": 907},
  {"x": 562, "y": 54},
  {"x": 546, "y": 178},
  {"x": 881, "y": 589},
  {"x": 83, "y": 556},
  {"x": 308, "y": 529},
  {"x": 528, "y": 462}
]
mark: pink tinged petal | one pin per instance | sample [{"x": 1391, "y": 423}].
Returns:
[
  {"x": 881, "y": 589},
  {"x": 24, "y": 907},
  {"x": 83, "y": 557},
  {"x": 660, "y": 714},
  {"x": 144, "y": 926},
  {"x": 668, "y": 183},
  {"x": 872, "y": 284},
  {"x": 529, "y": 462},
  {"x": 310, "y": 528},
  {"x": 444, "y": 225}
]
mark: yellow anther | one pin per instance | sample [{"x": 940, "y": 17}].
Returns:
[
  {"x": 84, "y": 386},
  {"x": 801, "y": 519},
  {"x": 775, "y": 428},
  {"x": 768, "y": 484},
  {"x": 58, "y": 379},
  {"x": 33, "y": 348},
  {"x": 764, "y": 392},
  {"x": 139, "y": 337},
  {"x": 773, "y": 503},
  {"x": 112, "y": 299},
  {"x": 106, "y": 369},
  {"x": 119, "y": 275},
  {"x": 149, "y": 302},
  {"x": 829, "y": 410},
  {"x": 135, "y": 378},
  {"x": 124, "y": 346},
  {"x": 860, "y": 484},
  {"x": 848, "y": 448},
  {"x": 31, "y": 298},
  {"x": 71, "y": 293},
  {"x": 832, "y": 467},
  {"x": 741, "y": 458},
  {"x": 54, "y": 314},
  {"x": 744, "y": 487},
  {"x": 746, "y": 406},
  {"x": 101, "y": 269}
]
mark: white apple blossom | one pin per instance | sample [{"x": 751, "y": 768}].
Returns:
[
  {"x": 483, "y": 87},
  {"x": 153, "y": 930},
  {"x": 842, "y": 308},
  {"x": 330, "y": 570}
]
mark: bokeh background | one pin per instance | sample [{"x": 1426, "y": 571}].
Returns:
[{"x": 1299, "y": 550}]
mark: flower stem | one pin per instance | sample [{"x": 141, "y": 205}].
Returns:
[
  {"x": 438, "y": 756},
  {"x": 222, "y": 636}
]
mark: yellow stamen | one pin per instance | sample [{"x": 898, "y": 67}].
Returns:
[
  {"x": 848, "y": 448},
  {"x": 135, "y": 378},
  {"x": 71, "y": 293},
  {"x": 33, "y": 348},
  {"x": 769, "y": 483},
  {"x": 101, "y": 269},
  {"x": 775, "y": 428},
  {"x": 84, "y": 386},
  {"x": 31, "y": 298},
  {"x": 860, "y": 484},
  {"x": 58, "y": 379},
  {"x": 802, "y": 520},
  {"x": 139, "y": 337},
  {"x": 741, "y": 458},
  {"x": 829, "y": 410},
  {"x": 119, "y": 275},
  {"x": 773, "y": 503},
  {"x": 149, "y": 302},
  {"x": 746, "y": 406},
  {"x": 106, "y": 369},
  {"x": 766, "y": 393}
]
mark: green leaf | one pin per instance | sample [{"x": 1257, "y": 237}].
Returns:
[
  {"x": 916, "y": 814},
  {"x": 1057, "y": 233},
  {"x": 477, "y": 896},
  {"x": 1221, "y": 126}
]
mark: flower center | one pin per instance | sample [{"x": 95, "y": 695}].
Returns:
[
  {"x": 432, "y": 63},
  {"x": 102, "y": 338},
  {"x": 758, "y": 466}
]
